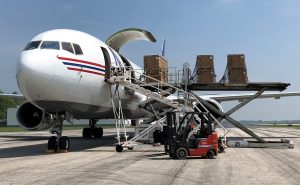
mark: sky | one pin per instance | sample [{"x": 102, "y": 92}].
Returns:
[{"x": 266, "y": 31}]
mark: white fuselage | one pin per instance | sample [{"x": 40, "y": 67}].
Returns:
[{"x": 57, "y": 80}]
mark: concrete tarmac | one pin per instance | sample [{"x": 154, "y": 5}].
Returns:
[{"x": 23, "y": 160}]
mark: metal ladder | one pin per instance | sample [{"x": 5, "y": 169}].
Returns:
[{"x": 118, "y": 114}]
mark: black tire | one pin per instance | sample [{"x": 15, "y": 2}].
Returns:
[
  {"x": 210, "y": 154},
  {"x": 87, "y": 133},
  {"x": 133, "y": 123},
  {"x": 221, "y": 149},
  {"x": 181, "y": 153},
  {"x": 52, "y": 145},
  {"x": 130, "y": 147},
  {"x": 119, "y": 148},
  {"x": 64, "y": 143},
  {"x": 98, "y": 132}
]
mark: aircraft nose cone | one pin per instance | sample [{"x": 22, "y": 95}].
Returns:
[{"x": 34, "y": 73}]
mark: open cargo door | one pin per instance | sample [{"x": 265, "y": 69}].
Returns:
[{"x": 117, "y": 40}]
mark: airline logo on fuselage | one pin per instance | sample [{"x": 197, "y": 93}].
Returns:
[{"x": 83, "y": 66}]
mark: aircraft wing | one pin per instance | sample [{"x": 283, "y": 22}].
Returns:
[
  {"x": 14, "y": 96},
  {"x": 117, "y": 40},
  {"x": 217, "y": 97},
  {"x": 241, "y": 97}
]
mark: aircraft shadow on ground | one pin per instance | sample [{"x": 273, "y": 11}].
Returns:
[{"x": 77, "y": 144}]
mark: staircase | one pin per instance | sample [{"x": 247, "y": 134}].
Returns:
[{"x": 122, "y": 76}]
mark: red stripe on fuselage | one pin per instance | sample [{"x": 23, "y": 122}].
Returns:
[
  {"x": 80, "y": 61},
  {"x": 87, "y": 71}
]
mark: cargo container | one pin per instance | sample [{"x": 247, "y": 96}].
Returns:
[
  {"x": 237, "y": 70},
  {"x": 156, "y": 67},
  {"x": 205, "y": 70}
]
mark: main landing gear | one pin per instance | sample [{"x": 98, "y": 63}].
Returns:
[
  {"x": 58, "y": 143},
  {"x": 92, "y": 131}
]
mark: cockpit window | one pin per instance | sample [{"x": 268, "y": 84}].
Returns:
[
  {"x": 32, "y": 45},
  {"x": 67, "y": 46},
  {"x": 78, "y": 49},
  {"x": 50, "y": 45}
]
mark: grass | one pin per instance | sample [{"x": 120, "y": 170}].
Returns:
[
  {"x": 66, "y": 127},
  {"x": 12, "y": 129}
]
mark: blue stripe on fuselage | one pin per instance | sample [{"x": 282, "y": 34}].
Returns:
[{"x": 84, "y": 66}]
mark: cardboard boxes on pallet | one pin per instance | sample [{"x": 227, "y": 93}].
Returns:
[
  {"x": 156, "y": 67},
  {"x": 205, "y": 69},
  {"x": 237, "y": 70}
]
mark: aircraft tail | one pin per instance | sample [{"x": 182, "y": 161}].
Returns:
[{"x": 163, "y": 48}]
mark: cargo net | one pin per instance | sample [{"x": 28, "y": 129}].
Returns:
[{"x": 236, "y": 70}]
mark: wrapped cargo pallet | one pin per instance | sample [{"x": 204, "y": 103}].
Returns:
[
  {"x": 237, "y": 70},
  {"x": 205, "y": 70},
  {"x": 156, "y": 67}
]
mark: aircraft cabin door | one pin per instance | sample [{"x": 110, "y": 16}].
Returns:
[{"x": 107, "y": 62}]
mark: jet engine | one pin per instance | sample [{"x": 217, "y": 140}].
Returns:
[
  {"x": 33, "y": 118},
  {"x": 212, "y": 102}
]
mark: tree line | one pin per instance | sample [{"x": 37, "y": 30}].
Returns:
[{"x": 6, "y": 102}]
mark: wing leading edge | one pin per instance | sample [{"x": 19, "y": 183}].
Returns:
[{"x": 241, "y": 97}]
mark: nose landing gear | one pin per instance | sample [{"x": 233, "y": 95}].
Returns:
[{"x": 58, "y": 143}]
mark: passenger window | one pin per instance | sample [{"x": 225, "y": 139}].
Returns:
[
  {"x": 78, "y": 50},
  {"x": 67, "y": 46},
  {"x": 50, "y": 45},
  {"x": 32, "y": 45}
]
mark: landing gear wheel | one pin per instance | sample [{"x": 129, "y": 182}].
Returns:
[
  {"x": 210, "y": 154},
  {"x": 119, "y": 148},
  {"x": 64, "y": 143},
  {"x": 52, "y": 145},
  {"x": 87, "y": 133},
  {"x": 181, "y": 153},
  {"x": 98, "y": 132},
  {"x": 130, "y": 147}
]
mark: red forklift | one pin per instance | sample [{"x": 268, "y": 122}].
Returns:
[{"x": 190, "y": 134}]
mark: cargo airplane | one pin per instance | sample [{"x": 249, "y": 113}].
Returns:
[{"x": 61, "y": 74}]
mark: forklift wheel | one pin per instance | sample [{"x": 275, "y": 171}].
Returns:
[
  {"x": 210, "y": 154},
  {"x": 221, "y": 149},
  {"x": 119, "y": 148},
  {"x": 181, "y": 153}
]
